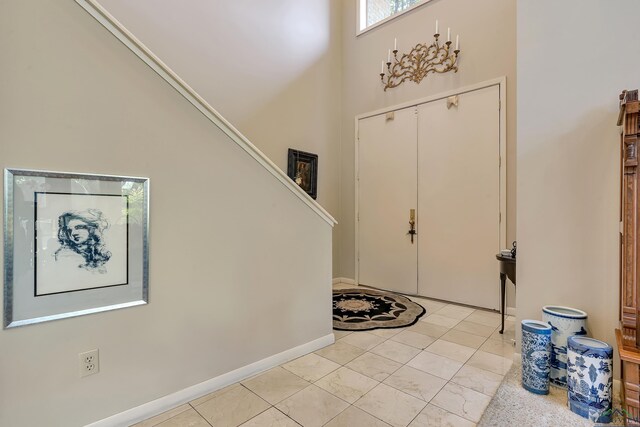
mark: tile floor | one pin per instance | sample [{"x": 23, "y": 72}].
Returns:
[{"x": 442, "y": 371}]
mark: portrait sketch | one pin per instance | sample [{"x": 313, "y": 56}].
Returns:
[
  {"x": 81, "y": 242},
  {"x": 81, "y": 232}
]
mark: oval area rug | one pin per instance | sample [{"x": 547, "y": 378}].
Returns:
[{"x": 367, "y": 309}]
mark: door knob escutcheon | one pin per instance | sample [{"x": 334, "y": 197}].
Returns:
[{"x": 412, "y": 224}]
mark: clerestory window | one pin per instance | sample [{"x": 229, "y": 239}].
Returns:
[{"x": 374, "y": 12}]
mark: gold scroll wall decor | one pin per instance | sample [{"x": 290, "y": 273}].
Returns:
[{"x": 420, "y": 61}]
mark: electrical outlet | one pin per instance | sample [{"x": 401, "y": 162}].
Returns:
[{"x": 89, "y": 363}]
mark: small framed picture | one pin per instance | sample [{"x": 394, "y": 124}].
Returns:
[
  {"x": 302, "y": 168},
  {"x": 74, "y": 244}
]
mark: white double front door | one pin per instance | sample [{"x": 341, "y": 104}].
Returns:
[{"x": 444, "y": 163}]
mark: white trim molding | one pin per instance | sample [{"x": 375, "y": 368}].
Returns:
[
  {"x": 173, "y": 400},
  {"x": 138, "y": 48},
  {"x": 343, "y": 280}
]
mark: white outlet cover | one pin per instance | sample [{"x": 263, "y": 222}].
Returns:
[{"x": 89, "y": 362}]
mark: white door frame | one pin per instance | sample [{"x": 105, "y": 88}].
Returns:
[{"x": 501, "y": 82}]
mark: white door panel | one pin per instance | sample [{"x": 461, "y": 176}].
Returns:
[
  {"x": 459, "y": 199},
  {"x": 387, "y": 191}
]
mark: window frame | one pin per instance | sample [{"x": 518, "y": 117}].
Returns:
[{"x": 361, "y": 16}]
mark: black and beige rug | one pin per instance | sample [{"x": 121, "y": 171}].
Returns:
[{"x": 367, "y": 309}]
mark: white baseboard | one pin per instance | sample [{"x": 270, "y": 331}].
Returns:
[
  {"x": 511, "y": 311},
  {"x": 344, "y": 280},
  {"x": 188, "y": 394}
]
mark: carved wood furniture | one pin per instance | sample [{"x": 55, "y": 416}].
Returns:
[{"x": 628, "y": 336}]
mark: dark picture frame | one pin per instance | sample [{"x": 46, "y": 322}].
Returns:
[{"x": 302, "y": 168}]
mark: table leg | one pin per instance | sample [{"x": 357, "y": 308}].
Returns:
[{"x": 503, "y": 280}]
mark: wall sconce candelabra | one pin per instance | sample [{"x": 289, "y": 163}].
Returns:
[{"x": 420, "y": 61}]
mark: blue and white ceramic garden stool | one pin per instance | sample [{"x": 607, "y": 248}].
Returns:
[
  {"x": 590, "y": 383},
  {"x": 564, "y": 322},
  {"x": 536, "y": 356}
]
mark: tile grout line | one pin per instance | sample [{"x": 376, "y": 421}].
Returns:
[
  {"x": 274, "y": 407},
  {"x": 269, "y": 403},
  {"x": 313, "y": 383},
  {"x": 379, "y": 382},
  {"x": 464, "y": 418},
  {"x": 464, "y": 363},
  {"x": 384, "y": 340},
  {"x": 421, "y": 350},
  {"x": 368, "y": 351},
  {"x": 198, "y": 412},
  {"x": 170, "y": 418}
]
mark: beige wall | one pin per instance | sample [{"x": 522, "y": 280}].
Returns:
[
  {"x": 271, "y": 68},
  {"x": 488, "y": 41},
  {"x": 233, "y": 253},
  {"x": 574, "y": 58}
]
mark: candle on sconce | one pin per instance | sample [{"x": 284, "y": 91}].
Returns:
[{"x": 417, "y": 64}]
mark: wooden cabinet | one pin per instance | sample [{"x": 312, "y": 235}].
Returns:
[{"x": 628, "y": 336}]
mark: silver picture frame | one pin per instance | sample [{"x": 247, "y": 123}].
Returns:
[{"x": 74, "y": 244}]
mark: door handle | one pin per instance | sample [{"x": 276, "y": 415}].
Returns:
[{"x": 412, "y": 224}]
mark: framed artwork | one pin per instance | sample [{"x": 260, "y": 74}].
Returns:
[
  {"x": 74, "y": 244},
  {"x": 302, "y": 168}
]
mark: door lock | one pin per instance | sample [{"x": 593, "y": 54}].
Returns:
[{"x": 412, "y": 224}]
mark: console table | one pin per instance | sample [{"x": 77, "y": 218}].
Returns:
[{"x": 507, "y": 269}]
